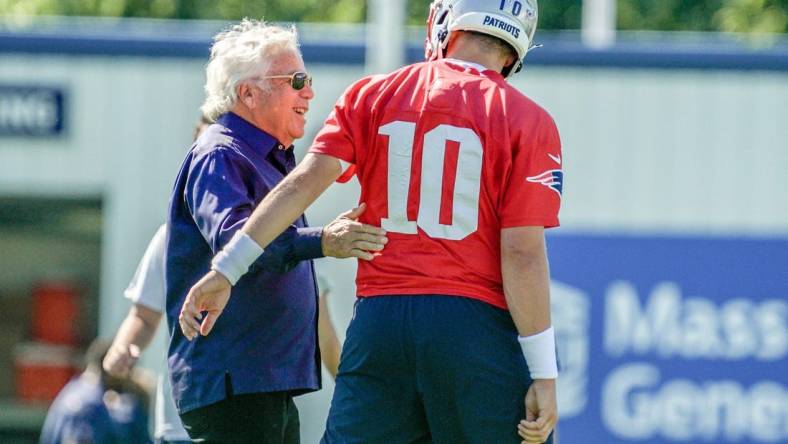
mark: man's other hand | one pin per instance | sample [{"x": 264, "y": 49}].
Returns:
[
  {"x": 210, "y": 294},
  {"x": 541, "y": 412},
  {"x": 345, "y": 236}
]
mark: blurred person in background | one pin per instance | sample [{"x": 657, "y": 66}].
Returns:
[
  {"x": 147, "y": 293},
  {"x": 238, "y": 384},
  {"x": 451, "y": 339},
  {"x": 97, "y": 407}
]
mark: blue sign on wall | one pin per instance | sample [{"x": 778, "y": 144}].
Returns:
[
  {"x": 671, "y": 340},
  {"x": 31, "y": 111}
]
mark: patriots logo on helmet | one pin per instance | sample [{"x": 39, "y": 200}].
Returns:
[{"x": 553, "y": 179}]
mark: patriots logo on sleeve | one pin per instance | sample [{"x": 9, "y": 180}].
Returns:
[{"x": 553, "y": 179}]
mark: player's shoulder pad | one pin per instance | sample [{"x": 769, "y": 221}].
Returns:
[
  {"x": 364, "y": 85},
  {"x": 518, "y": 101},
  {"x": 377, "y": 82}
]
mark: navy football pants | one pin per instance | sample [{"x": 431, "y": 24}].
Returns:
[{"x": 424, "y": 369}]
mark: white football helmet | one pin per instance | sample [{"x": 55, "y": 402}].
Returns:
[{"x": 513, "y": 21}]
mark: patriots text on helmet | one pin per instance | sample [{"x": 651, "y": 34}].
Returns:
[{"x": 508, "y": 27}]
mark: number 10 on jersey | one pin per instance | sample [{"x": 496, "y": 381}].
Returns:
[{"x": 465, "y": 207}]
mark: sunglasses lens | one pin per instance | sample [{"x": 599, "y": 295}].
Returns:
[{"x": 299, "y": 80}]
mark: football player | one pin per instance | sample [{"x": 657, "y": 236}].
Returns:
[{"x": 451, "y": 340}]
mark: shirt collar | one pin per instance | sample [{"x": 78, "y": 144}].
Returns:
[
  {"x": 256, "y": 138},
  {"x": 481, "y": 69},
  {"x": 466, "y": 64}
]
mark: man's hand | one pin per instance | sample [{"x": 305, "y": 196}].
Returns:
[
  {"x": 541, "y": 412},
  {"x": 210, "y": 294},
  {"x": 346, "y": 237},
  {"x": 120, "y": 359}
]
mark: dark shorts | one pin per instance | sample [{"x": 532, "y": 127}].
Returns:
[{"x": 422, "y": 369}]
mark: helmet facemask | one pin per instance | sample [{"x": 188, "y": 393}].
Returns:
[{"x": 437, "y": 31}]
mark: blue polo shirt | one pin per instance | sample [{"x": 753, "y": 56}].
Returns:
[{"x": 266, "y": 338}]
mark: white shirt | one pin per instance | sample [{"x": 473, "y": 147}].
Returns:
[{"x": 147, "y": 288}]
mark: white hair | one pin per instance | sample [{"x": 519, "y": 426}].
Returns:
[{"x": 239, "y": 53}]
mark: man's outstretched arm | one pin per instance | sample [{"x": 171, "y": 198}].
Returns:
[
  {"x": 284, "y": 204},
  {"x": 288, "y": 200}
]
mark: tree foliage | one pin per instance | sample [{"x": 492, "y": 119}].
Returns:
[
  {"x": 273, "y": 10},
  {"x": 666, "y": 15}
]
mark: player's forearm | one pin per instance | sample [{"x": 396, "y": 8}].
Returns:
[
  {"x": 138, "y": 328},
  {"x": 526, "y": 279},
  {"x": 288, "y": 200},
  {"x": 526, "y": 285}
]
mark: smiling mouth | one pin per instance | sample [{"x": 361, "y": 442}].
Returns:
[{"x": 300, "y": 111}]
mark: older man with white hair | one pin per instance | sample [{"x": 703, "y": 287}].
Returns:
[{"x": 237, "y": 385}]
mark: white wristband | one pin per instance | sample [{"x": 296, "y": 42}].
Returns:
[
  {"x": 236, "y": 257},
  {"x": 539, "y": 352}
]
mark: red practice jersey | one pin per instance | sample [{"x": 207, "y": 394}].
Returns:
[{"x": 446, "y": 157}]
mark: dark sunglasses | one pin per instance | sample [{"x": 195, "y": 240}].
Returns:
[{"x": 297, "y": 79}]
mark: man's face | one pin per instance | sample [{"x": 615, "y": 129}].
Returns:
[{"x": 281, "y": 109}]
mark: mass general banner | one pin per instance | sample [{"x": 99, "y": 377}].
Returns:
[{"x": 671, "y": 339}]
